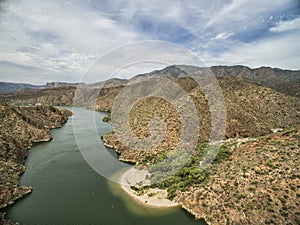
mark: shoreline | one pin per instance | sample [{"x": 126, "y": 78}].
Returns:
[
  {"x": 152, "y": 197},
  {"x": 13, "y": 190}
]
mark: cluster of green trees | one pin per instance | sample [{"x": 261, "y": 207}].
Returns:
[{"x": 178, "y": 170}]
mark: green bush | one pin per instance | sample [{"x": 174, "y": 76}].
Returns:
[
  {"x": 107, "y": 118},
  {"x": 178, "y": 170}
]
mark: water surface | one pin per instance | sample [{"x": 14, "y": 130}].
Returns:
[{"x": 67, "y": 191}]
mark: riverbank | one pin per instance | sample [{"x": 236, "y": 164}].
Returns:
[
  {"x": 20, "y": 127},
  {"x": 152, "y": 197}
]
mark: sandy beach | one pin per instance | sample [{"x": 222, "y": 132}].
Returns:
[{"x": 153, "y": 197}]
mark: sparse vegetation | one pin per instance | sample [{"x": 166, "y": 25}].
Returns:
[
  {"x": 20, "y": 126},
  {"x": 107, "y": 118},
  {"x": 269, "y": 174},
  {"x": 177, "y": 171}
]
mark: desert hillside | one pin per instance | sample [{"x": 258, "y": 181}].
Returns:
[
  {"x": 56, "y": 93},
  {"x": 257, "y": 184},
  {"x": 252, "y": 111},
  {"x": 20, "y": 128}
]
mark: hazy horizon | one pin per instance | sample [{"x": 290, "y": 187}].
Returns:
[{"x": 127, "y": 78}]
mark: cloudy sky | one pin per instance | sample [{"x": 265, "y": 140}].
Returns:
[{"x": 70, "y": 40}]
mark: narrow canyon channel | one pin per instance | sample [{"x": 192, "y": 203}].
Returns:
[{"x": 67, "y": 191}]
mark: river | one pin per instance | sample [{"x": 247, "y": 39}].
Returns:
[{"x": 67, "y": 191}]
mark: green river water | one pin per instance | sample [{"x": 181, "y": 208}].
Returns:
[{"x": 67, "y": 191}]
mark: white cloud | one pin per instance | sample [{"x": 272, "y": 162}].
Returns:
[
  {"x": 283, "y": 26},
  {"x": 138, "y": 57},
  {"x": 244, "y": 12},
  {"x": 55, "y": 38},
  {"x": 61, "y": 39},
  {"x": 222, "y": 36},
  {"x": 279, "y": 51}
]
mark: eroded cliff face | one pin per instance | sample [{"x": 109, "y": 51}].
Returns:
[{"x": 20, "y": 128}]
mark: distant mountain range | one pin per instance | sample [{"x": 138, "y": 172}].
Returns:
[
  {"x": 8, "y": 87},
  {"x": 254, "y": 102},
  {"x": 285, "y": 81}
]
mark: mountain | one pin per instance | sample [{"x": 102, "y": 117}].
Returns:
[
  {"x": 173, "y": 71},
  {"x": 285, "y": 81},
  {"x": 253, "y": 179},
  {"x": 113, "y": 82},
  {"x": 7, "y": 87},
  {"x": 20, "y": 128},
  {"x": 47, "y": 96},
  {"x": 252, "y": 111},
  {"x": 253, "y": 108}
]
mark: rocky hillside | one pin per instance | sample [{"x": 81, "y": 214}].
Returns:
[
  {"x": 20, "y": 128},
  {"x": 255, "y": 177},
  {"x": 56, "y": 93},
  {"x": 113, "y": 82},
  {"x": 257, "y": 184},
  {"x": 7, "y": 87},
  {"x": 252, "y": 111},
  {"x": 83, "y": 95},
  {"x": 250, "y": 182},
  {"x": 285, "y": 81},
  {"x": 50, "y": 96}
]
